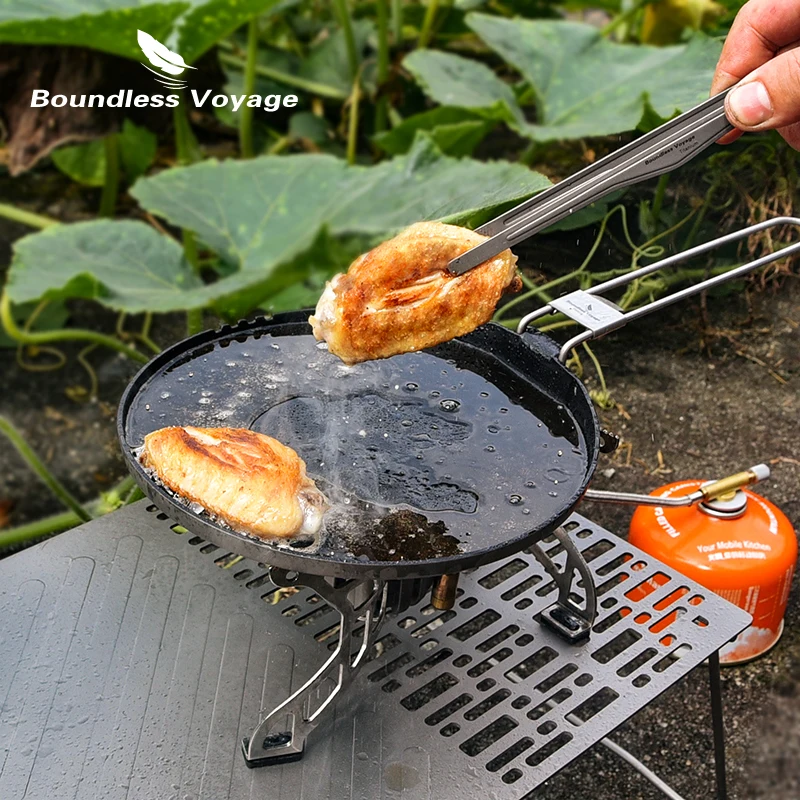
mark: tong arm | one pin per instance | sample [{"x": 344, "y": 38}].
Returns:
[{"x": 663, "y": 149}]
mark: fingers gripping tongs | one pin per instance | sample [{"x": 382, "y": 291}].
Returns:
[{"x": 663, "y": 149}]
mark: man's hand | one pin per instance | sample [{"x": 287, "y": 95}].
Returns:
[{"x": 763, "y": 52}]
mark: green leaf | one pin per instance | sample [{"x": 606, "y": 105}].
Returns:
[
  {"x": 111, "y": 25},
  {"x": 137, "y": 149},
  {"x": 456, "y": 131},
  {"x": 83, "y": 163},
  {"x": 107, "y": 25},
  {"x": 308, "y": 126},
  {"x": 425, "y": 185},
  {"x": 327, "y": 62},
  {"x": 256, "y": 214},
  {"x": 300, "y": 283},
  {"x": 326, "y": 65},
  {"x": 588, "y": 86},
  {"x": 208, "y": 21},
  {"x": 452, "y": 80},
  {"x": 86, "y": 163},
  {"x": 266, "y": 212},
  {"x": 51, "y": 317},
  {"x": 126, "y": 265}
]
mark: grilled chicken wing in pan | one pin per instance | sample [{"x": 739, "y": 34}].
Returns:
[
  {"x": 400, "y": 297},
  {"x": 249, "y": 481}
]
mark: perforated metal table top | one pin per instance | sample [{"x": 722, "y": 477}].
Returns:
[{"x": 131, "y": 666}]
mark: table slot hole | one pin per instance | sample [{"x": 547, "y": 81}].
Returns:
[
  {"x": 486, "y": 737},
  {"x": 430, "y": 691},
  {"x": 449, "y": 709}
]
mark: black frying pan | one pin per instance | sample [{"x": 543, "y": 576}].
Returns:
[{"x": 434, "y": 461}]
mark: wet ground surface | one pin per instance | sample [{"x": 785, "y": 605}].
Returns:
[{"x": 683, "y": 412}]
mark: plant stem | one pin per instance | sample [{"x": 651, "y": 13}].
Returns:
[
  {"x": 187, "y": 152},
  {"x": 186, "y": 147},
  {"x": 246, "y": 111},
  {"x": 698, "y": 220},
  {"x": 352, "y": 127},
  {"x": 542, "y": 291},
  {"x": 190, "y": 249},
  {"x": 597, "y": 367},
  {"x": 121, "y": 494},
  {"x": 26, "y": 217},
  {"x": 312, "y": 87},
  {"x": 658, "y": 200},
  {"x": 382, "y": 71},
  {"x": 194, "y": 316},
  {"x": 427, "y": 24},
  {"x": 624, "y": 17},
  {"x": 397, "y": 22},
  {"x": 531, "y": 153},
  {"x": 108, "y": 199},
  {"x": 39, "y": 467},
  {"x": 61, "y": 335},
  {"x": 346, "y": 21},
  {"x": 36, "y": 530}
]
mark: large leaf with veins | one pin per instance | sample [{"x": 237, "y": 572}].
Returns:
[
  {"x": 190, "y": 26},
  {"x": 586, "y": 85},
  {"x": 267, "y": 218},
  {"x": 125, "y": 265},
  {"x": 107, "y": 25},
  {"x": 261, "y": 214}
]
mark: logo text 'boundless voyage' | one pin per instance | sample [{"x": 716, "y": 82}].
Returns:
[
  {"x": 127, "y": 99},
  {"x": 170, "y": 66}
]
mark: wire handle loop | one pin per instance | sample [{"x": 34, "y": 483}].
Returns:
[{"x": 599, "y": 316}]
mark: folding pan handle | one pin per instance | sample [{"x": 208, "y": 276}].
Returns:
[{"x": 600, "y": 316}]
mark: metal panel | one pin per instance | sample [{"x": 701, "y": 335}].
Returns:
[{"x": 135, "y": 658}]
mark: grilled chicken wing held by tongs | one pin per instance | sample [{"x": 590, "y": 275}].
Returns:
[{"x": 401, "y": 297}]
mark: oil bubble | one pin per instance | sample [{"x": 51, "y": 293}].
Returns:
[
  {"x": 514, "y": 499},
  {"x": 449, "y": 405}
]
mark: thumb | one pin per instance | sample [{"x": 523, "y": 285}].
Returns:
[{"x": 769, "y": 97}]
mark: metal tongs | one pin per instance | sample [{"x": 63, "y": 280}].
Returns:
[{"x": 663, "y": 149}]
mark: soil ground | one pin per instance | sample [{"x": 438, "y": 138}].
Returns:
[{"x": 684, "y": 410}]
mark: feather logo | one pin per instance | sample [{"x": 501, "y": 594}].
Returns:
[{"x": 161, "y": 56}]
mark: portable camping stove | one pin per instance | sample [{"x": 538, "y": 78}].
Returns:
[
  {"x": 490, "y": 435},
  {"x": 133, "y": 665}
]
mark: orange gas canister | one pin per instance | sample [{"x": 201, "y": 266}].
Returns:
[{"x": 740, "y": 546}]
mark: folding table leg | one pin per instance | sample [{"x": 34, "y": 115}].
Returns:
[{"x": 718, "y": 725}]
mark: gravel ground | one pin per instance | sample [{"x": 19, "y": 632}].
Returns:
[{"x": 706, "y": 413}]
